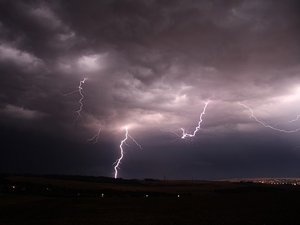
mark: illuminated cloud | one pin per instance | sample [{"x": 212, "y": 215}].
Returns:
[
  {"x": 14, "y": 55},
  {"x": 91, "y": 63},
  {"x": 46, "y": 16},
  {"x": 21, "y": 113},
  {"x": 152, "y": 65}
]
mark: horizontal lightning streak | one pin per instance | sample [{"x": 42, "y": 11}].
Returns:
[
  {"x": 252, "y": 115},
  {"x": 294, "y": 120}
]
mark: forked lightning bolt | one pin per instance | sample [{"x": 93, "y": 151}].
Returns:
[
  {"x": 80, "y": 102},
  {"x": 185, "y": 134},
  {"x": 265, "y": 124},
  {"x": 123, "y": 141}
]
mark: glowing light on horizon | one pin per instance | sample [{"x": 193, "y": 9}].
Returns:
[
  {"x": 185, "y": 134},
  {"x": 252, "y": 115}
]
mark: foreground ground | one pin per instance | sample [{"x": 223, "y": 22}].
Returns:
[{"x": 103, "y": 201}]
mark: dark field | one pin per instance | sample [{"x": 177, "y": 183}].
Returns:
[{"x": 62, "y": 200}]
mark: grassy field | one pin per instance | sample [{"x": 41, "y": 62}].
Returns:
[{"x": 78, "y": 200}]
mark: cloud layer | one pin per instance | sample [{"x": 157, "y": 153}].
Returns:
[{"x": 151, "y": 65}]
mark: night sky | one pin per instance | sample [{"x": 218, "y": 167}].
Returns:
[{"x": 150, "y": 65}]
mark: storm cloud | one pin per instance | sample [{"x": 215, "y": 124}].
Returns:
[{"x": 150, "y": 65}]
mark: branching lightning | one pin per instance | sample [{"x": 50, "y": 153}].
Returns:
[
  {"x": 185, "y": 134},
  {"x": 135, "y": 141},
  {"x": 123, "y": 142},
  {"x": 252, "y": 115},
  {"x": 294, "y": 120},
  {"x": 80, "y": 102},
  {"x": 94, "y": 139}
]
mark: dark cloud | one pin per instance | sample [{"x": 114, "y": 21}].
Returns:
[{"x": 150, "y": 65}]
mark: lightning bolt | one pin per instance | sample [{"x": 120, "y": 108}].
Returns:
[
  {"x": 185, "y": 134},
  {"x": 294, "y": 120},
  {"x": 123, "y": 141},
  {"x": 140, "y": 147},
  {"x": 95, "y": 138},
  {"x": 252, "y": 115},
  {"x": 80, "y": 102}
]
